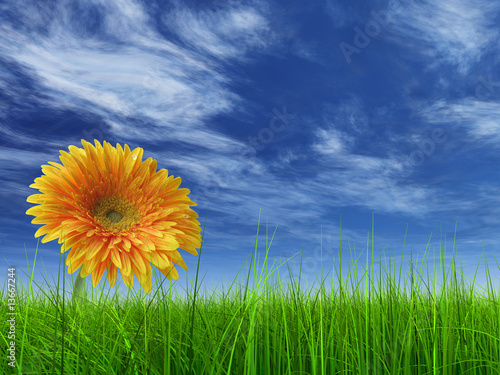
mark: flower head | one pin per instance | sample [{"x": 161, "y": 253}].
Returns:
[{"x": 115, "y": 211}]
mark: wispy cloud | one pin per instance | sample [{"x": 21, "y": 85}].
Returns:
[
  {"x": 456, "y": 32},
  {"x": 227, "y": 33},
  {"x": 478, "y": 118},
  {"x": 147, "y": 76}
]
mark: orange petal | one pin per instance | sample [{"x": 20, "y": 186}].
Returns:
[
  {"x": 151, "y": 231},
  {"x": 156, "y": 260},
  {"x": 116, "y": 258},
  {"x": 144, "y": 278},
  {"x": 97, "y": 274},
  {"x": 36, "y": 198},
  {"x": 94, "y": 248},
  {"x": 138, "y": 261},
  {"x": 127, "y": 243},
  {"x": 44, "y": 230},
  {"x": 75, "y": 259},
  {"x": 112, "y": 274},
  {"x": 89, "y": 266},
  {"x": 128, "y": 279},
  {"x": 126, "y": 267},
  {"x": 170, "y": 273}
]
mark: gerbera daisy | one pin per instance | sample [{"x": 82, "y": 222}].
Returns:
[{"x": 115, "y": 211}]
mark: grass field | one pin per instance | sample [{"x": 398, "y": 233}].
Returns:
[{"x": 263, "y": 327}]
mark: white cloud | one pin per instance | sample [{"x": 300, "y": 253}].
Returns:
[
  {"x": 148, "y": 77},
  {"x": 331, "y": 142},
  {"x": 479, "y": 118},
  {"x": 226, "y": 34},
  {"x": 345, "y": 122},
  {"x": 457, "y": 32}
]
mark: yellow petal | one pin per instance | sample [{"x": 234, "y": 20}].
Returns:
[
  {"x": 97, "y": 274},
  {"x": 94, "y": 249},
  {"x": 138, "y": 261},
  {"x": 126, "y": 267},
  {"x": 112, "y": 274},
  {"x": 116, "y": 258},
  {"x": 151, "y": 231}
]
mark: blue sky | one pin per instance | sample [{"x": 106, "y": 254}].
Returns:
[{"x": 305, "y": 111}]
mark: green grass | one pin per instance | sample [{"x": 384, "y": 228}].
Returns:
[{"x": 264, "y": 329}]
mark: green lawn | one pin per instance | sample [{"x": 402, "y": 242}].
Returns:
[{"x": 263, "y": 327}]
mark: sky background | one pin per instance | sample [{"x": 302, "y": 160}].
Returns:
[{"x": 307, "y": 112}]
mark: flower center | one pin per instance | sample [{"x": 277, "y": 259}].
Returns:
[
  {"x": 114, "y": 216},
  {"x": 115, "y": 213}
]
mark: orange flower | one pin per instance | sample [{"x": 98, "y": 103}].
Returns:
[{"x": 115, "y": 211}]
